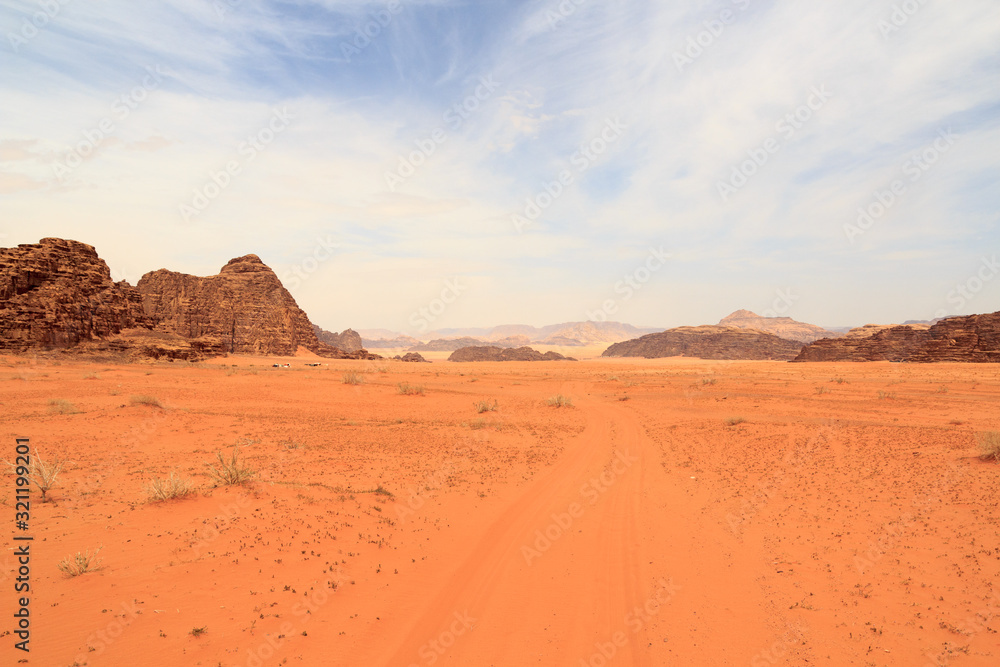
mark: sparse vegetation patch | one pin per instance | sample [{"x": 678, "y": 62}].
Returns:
[
  {"x": 486, "y": 406},
  {"x": 989, "y": 445},
  {"x": 80, "y": 562},
  {"x": 231, "y": 470},
  {"x": 151, "y": 401},
  {"x": 171, "y": 487},
  {"x": 43, "y": 475},
  {"x": 61, "y": 406}
]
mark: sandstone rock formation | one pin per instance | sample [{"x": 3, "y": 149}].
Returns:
[
  {"x": 782, "y": 327},
  {"x": 140, "y": 344},
  {"x": 411, "y": 357},
  {"x": 708, "y": 342},
  {"x": 970, "y": 338},
  {"x": 447, "y": 344},
  {"x": 495, "y": 353},
  {"x": 57, "y": 293},
  {"x": 348, "y": 341},
  {"x": 245, "y": 306}
]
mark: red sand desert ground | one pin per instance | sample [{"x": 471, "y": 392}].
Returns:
[{"x": 846, "y": 521}]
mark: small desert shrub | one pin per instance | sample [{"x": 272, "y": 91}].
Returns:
[
  {"x": 989, "y": 445},
  {"x": 352, "y": 378},
  {"x": 486, "y": 406},
  {"x": 822, "y": 390},
  {"x": 559, "y": 401},
  {"x": 151, "y": 401},
  {"x": 198, "y": 632},
  {"x": 61, "y": 406},
  {"x": 624, "y": 398},
  {"x": 943, "y": 389},
  {"x": 80, "y": 562},
  {"x": 408, "y": 389},
  {"x": 38, "y": 472},
  {"x": 171, "y": 487},
  {"x": 382, "y": 491},
  {"x": 733, "y": 421},
  {"x": 231, "y": 470},
  {"x": 839, "y": 380},
  {"x": 477, "y": 424},
  {"x": 708, "y": 380},
  {"x": 886, "y": 395},
  {"x": 91, "y": 376}
]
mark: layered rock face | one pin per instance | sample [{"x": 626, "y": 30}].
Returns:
[
  {"x": 58, "y": 293},
  {"x": 970, "y": 338},
  {"x": 245, "y": 306},
  {"x": 494, "y": 353},
  {"x": 348, "y": 341},
  {"x": 138, "y": 344},
  {"x": 708, "y": 342},
  {"x": 782, "y": 327}
]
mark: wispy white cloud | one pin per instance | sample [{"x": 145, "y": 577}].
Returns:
[{"x": 560, "y": 81}]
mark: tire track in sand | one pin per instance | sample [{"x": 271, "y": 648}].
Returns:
[{"x": 564, "y": 575}]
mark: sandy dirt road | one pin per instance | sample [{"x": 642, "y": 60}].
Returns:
[{"x": 597, "y": 561}]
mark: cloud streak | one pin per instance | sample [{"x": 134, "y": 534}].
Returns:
[{"x": 560, "y": 81}]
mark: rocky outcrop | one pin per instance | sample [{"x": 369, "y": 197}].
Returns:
[
  {"x": 411, "y": 357},
  {"x": 140, "y": 344},
  {"x": 495, "y": 353},
  {"x": 708, "y": 342},
  {"x": 56, "y": 294},
  {"x": 782, "y": 327},
  {"x": 970, "y": 338},
  {"x": 245, "y": 306},
  {"x": 447, "y": 344},
  {"x": 348, "y": 341}
]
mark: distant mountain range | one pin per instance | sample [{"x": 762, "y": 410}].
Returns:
[{"x": 507, "y": 335}]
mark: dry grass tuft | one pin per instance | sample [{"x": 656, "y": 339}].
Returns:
[
  {"x": 61, "y": 406},
  {"x": 486, "y": 406},
  {"x": 352, "y": 378},
  {"x": 407, "y": 389},
  {"x": 38, "y": 472},
  {"x": 989, "y": 445},
  {"x": 559, "y": 401},
  {"x": 151, "y": 401},
  {"x": 80, "y": 562},
  {"x": 171, "y": 487},
  {"x": 232, "y": 470}
]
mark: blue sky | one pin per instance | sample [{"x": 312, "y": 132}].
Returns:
[{"x": 539, "y": 153}]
